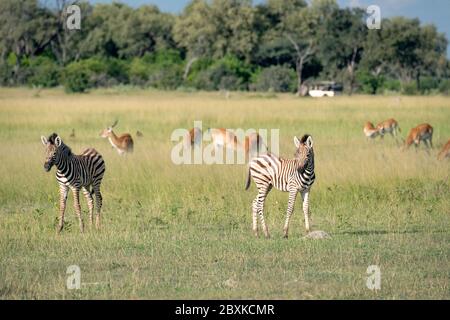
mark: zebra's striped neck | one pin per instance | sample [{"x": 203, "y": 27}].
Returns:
[{"x": 63, "y": 158}]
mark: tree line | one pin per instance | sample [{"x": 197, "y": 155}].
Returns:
[{"x": 279, "y": 45}]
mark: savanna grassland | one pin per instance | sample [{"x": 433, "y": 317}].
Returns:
[{"x": 184, "y": 232}]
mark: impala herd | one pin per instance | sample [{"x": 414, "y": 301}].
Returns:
[
  {"x": 422, "y": 133},
  {"x": 253, "y": 144}
]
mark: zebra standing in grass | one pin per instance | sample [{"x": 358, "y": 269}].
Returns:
[
  {"x": 289, "y": 175},
  {"x": 77, "y": 172}
]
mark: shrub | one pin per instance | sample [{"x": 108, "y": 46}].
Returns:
[
  {"x": 410, "y": 88},
  {"x": 162, "y": 70},
  {"x": 75, "y": 77},
  {"x": 428, "y": 85},
  {"x": 391, "y": 85},
  {"x": 228, "y": 73},
  {"x": 444, "y": 87},
  {"x": 94, "y": 72},
  {"x": 369, "y": 83},
  {"x": 274, "y": 78},
  {"x": 44, "y": 72}
]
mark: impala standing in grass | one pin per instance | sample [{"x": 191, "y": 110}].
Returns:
[
  {"x": 122, "y": 143},
  {"x": 370, "y": 131},
  {"x": 224, "y": 138},
  {"x": 445, "y": 151},
  {"x": 254, "y": 145},
  {"x": 388, "y": 126},
  {"x": 423, "y": 132},
  {"x": 193, "y": 138}
]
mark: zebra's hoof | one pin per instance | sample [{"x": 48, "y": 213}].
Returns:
[{"x": 285, "y": 236}]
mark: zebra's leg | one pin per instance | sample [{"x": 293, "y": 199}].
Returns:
[
  {"x": 98, "y": 204},
  {"x": 90, "y": 202},
  {"x": 305, "y": 196},
  {"x": 255, "y": 217},
  {"x": 290, "y": 209},
  {"x": 63, "y": 192},
  {"x": 261, "y": 198},
  {"x": 76, "y": 205}
]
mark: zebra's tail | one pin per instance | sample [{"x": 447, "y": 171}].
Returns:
[{"x": 248, "y": 180}]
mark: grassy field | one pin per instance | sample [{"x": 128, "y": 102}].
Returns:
[{"x": 184, "y": 232}]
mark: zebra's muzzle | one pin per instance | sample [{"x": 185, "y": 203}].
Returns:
[{"x": 47, "y": 167}]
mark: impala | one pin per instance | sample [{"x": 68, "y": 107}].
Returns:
[
  {"x": 423, "y": 132},
  {"x": 254, "y": 145},
  {"x": 193, "y": 138},
  {"x": 388, "y": 126},
  {"x": 122, "y": 143},
  {"x": 445, "y": 152},
  {"x": 224, "y": 138},
  {"x": 370, "y": 131}
]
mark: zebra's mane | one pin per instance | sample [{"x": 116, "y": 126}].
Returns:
[
  {"x": 64, "y": 148},
  {"x": 304, "y": 138}
]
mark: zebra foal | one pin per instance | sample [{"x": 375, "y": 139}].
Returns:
[
  {"x": 288, "y": 175},
  {"x": 75, "y": 172}
]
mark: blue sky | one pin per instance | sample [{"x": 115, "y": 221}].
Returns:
[{"x": 436, "y": 11}]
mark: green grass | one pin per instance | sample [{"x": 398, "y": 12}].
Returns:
[{"x": 182, "y": 231}]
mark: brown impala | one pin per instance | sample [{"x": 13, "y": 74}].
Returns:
[
  {"x": 254, "y": 145},
  {"x": 423, "y": 132},
  {"x": 388, "y": 126},
  {"x": 370, "y": 131},
  {"x": 122, "y": 143},
  {"x": 193, "y": 138},
  {"x": 445, "y": 152}
]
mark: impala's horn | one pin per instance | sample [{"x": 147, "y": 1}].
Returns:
[{"x": 114, "y": 124}]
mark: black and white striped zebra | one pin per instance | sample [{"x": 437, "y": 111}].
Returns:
[
  {"x": 77, "y": 172},
  {"x": 289, "y": 175}
]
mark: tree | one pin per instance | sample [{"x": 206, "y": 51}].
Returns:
[
  {"x": 224, "y": 27},
  {"x": 145, "y": 31},
  {"x": 194, "y": 30},
  {"x": 289, "y": 35},
  {"x": 412, "y": 50},
  {"x": 342, "y": 42},
  {"x": 26, "y": 30}
]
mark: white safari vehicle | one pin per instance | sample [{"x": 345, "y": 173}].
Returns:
[{"x": 324, "y": 89}]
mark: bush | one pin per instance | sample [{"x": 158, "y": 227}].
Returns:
[
  {"x": 6, "y": 74},
  {"x": 410, "y": 88},
  {"x": 444, "y": 87},
  {"x": 228, "y": 73},
  {"x": 391, "y": 85},
  {"x": 75, "y": 77},
  {"x": 369, "y": 83},
  {"x": 428, "y": 85},
  {"x": 94, "y": 72},
  {"x": 45, "y": 72},
  {"x": 162, "y": 70},
  {"x": 274, "y": 78}
]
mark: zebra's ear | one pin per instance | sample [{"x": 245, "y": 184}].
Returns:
[
  {"x": 44, "y": 140},
  {"x": 309, "y": 142},
  {"x": 296, "y": 142},
  {"x": 58, "y": 141}
]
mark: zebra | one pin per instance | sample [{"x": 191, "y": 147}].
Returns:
[
  {"x": 77, "y": 172},
  {"x": 289, "y": 175}
]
